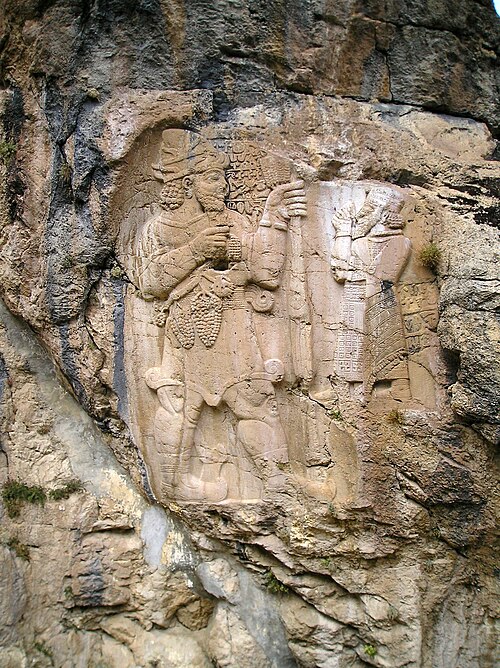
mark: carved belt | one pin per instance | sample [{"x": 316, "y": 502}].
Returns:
[{"x": 237, "y": 299}]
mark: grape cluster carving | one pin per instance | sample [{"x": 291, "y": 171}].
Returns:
[
  {"x": 206, "y": 309},
  {"x": 182, "y": 326}
]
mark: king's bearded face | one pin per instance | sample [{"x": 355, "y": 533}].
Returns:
[{"x": 210, "y": 188}]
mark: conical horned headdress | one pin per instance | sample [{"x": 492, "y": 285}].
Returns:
[
  {"x": 183, "y": 153},
  {"x": 389, "y": 198}
]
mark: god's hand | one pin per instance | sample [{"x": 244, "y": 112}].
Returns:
[
  {"x": 211, "y": 243},
  {"x": 288, "y": 200}
]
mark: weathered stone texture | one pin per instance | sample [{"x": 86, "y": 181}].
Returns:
[{"x": 395, "y": 568}]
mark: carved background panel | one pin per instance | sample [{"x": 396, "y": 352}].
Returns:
[
  {"x": 271, "y": 320},
  {"x": 258, "y": 453}
]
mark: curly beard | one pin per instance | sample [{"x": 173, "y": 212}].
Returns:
[{"x": 210, "y": 202}]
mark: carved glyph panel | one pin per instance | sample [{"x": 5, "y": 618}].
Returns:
[{"x": 267, "y": 312}]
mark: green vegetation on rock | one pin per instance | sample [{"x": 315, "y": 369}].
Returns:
[
  {"x": 370, "y": 650},
  {"x": 274, "y": 585},
  {"x": 430, "y": 256},
  {"x": 15, "y": 494},
  {"x": 21, "y": 550},
  {"x": 64, "y": 492},
  {"x": 7, "y": 151}
]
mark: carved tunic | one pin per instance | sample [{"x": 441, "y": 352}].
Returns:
[
  {"x": 209, "y": 302},
  {"x": 349, "y": 350},
  {"x": 383, "y": 257}
]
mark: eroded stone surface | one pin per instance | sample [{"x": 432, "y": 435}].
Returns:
[
  {"x": 329, "y": 499},
  {"x": 273, "y": 318}
]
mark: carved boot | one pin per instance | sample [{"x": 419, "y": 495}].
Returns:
[
  {"x": 273, "y": 475},
  {"x": 191, "y": 488},
  {"x": 321, "y": 490}
]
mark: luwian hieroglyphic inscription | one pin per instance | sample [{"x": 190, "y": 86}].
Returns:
[{"x": 274, "y": 304}]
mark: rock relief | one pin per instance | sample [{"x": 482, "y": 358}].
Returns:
[
  {"x": 269, "y": 311},
  {"x": 370, "y": 253}
]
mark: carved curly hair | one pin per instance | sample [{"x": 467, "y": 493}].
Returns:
[{"x": 172, "y": 194}]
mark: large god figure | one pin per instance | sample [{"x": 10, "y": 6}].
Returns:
[{"x": 211, "y": 270}]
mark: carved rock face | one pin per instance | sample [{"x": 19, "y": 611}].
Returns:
[
  {"x": 274, "y": 308},
  {"x": 339, "y": 260}
]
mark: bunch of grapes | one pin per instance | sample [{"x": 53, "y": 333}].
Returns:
[
  {"x": 207, "y": 314},
  {"x": 182, "y": 326}
]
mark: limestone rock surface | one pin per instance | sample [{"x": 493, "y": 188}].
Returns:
[{"x": 369, "y": 538}]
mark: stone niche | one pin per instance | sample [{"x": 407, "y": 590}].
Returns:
[{"x": 276, "y": 321}]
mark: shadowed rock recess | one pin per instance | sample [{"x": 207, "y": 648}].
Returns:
[{"x": 249, "y": 335}]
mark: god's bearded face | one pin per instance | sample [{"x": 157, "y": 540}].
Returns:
[{"x": 210, "y": 188}]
